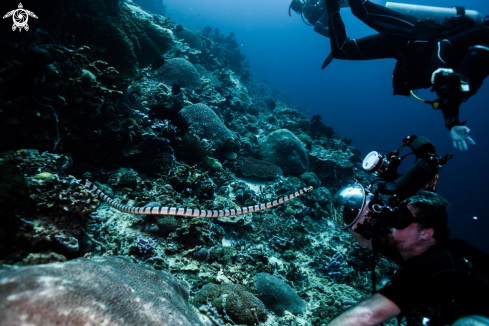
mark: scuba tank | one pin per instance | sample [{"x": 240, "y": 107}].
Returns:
[{"x": 438, "y": 14}]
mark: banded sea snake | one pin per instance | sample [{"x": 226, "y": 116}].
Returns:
[{"x": 192, "y": 212}]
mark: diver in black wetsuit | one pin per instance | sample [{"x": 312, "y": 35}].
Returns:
[
  {"x": 439, "y": 282},
  {"x": 452, "y": 57}
]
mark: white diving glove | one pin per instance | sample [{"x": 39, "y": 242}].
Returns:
[{"x": 460, "y": 137}]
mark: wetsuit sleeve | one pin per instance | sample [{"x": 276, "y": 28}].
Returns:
[
  {"x": 440, "y": 55},
  {"x": 462, "y": 41},
  {"x": 450, "y": 111},
  {"x": 425, "y": 281}
]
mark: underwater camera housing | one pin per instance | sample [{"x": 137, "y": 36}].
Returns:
[{"x": 372, "y": 211}]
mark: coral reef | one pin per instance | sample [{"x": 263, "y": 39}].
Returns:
[
  {"x": 116, "y": 35},
  {"x": 191, "y": 128},
  {"x": 332, "y": 164},
  {"x": 56, "y": 196}
]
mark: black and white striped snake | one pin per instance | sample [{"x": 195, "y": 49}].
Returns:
[{"x": 192, "y": 212}]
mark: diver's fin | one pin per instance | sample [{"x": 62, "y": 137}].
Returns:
[{"x": 327, "y": 61}]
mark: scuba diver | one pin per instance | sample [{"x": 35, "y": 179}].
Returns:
[
  {"x": 441, "y": 281},
  {"x": 449, "y": 55}
]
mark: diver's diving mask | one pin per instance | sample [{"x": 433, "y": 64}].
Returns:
[{"x": 355, "y": 207}]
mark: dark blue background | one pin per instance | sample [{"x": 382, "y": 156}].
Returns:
[{"x": 355, "y": 97}]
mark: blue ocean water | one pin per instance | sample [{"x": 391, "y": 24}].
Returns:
[{"x": 355, "y": 97}]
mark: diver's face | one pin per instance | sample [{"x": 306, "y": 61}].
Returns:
[{"x": 404, "y": 239}]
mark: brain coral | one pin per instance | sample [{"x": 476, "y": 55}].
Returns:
[
  {"x": 284, "y": 149},
  {"x": 241, "y": 306},
  {"x": 277, "y": 295},
  {"x": 96, "y": 291},
  {"x": 205, "y": 123},
  {"x": 179, "y": 72},
  {"x": 259, "y": 169}
]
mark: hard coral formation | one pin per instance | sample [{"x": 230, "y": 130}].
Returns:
[
  {"x": 52, "y": 193},
  {"x": 51, "y": 218},
  {"x": 251, "y": 167},
  {"x": 223, "y": 255},
  {"x": 331, "y": 164},
  {"x": 94, "y": 284},
  {"x": 235, "y": 301},
  {"x": 311, "y": 179},
  {"x": 167, "y": 224},
  {"x": 58, "y": 196},
  {"x": 179, "y": 72},
  {"x": 205, "y": 123},
  {"x": 214, "y": 81},
  {"x": 284, "y": 149},
  {"x": 189, "y": 37}
]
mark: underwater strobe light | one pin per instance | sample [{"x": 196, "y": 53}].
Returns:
[
  {"x": 377, "y": 164},
  {"x": 424, "y": 170}
]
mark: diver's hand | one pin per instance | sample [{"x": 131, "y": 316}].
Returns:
[
  {"x": 460, "y": 137},
  {"x": 440, "y": 72}
]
